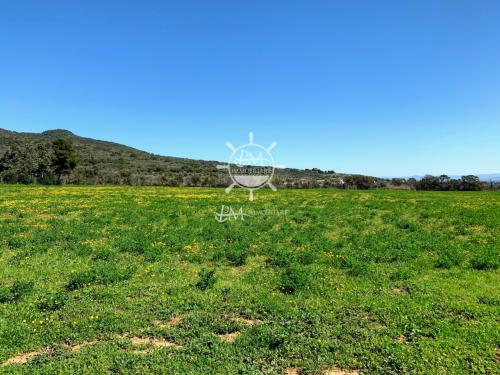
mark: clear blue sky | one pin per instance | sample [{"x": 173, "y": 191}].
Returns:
[{"x": 387, "y": 88}]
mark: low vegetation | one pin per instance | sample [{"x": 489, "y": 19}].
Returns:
[{"x": 144, "y": 280}]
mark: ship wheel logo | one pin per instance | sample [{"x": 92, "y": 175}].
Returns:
[{"x": 250, "y": 166}]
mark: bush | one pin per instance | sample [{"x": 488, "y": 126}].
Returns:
[
  {"x": 103, "y": 273},
  {"x": 5, "y": 295},
  {"x": 292, "y": 278},
  {"x": 280, "y": 257},
  {"x": 236, "y": 257},
  {"x": 52, "y": 301},
  {"x": 270, "y": 337},
  {"x": 207, "y": 279},
  {"x": 485, "y": 261},
  {"x": 358, "y": 268},
  {"x": 450, "y": 258},
  {"x": 16, "y": 291},
  {"x": 21, "y": 288}
]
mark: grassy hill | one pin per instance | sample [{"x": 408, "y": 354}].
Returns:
[{"x": 105, "y": 162}]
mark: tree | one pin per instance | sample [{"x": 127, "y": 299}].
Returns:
[
  {"x": 470, "y": 182},
  {"x": 398, "y": 181},
  {"x": 43, "y": 167},
  {"x": 428, "y": 183},
  {"x": 359, "y": 181},
  {"x": 444, "y": 182},
  {"x": 65, "y": 158},
  {"x": 26, "y": 163}
]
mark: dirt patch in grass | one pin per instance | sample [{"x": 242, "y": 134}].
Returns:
[
  {"x": 74, "y": 348},
  {"x": 174, "y": 321},
  {"x": 229, "y": 337},
  {"x": 292, "y": 371},
  {"x": 160, "y": 324},
  {"x": 337, "y": 371},
  {"x": 150, "y": 342},
  {"x": 23, "y": 358},
  {"x": 402, "y": 339},
  {"x": 399, "y": 290}
]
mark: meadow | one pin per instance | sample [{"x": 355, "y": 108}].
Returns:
[{"x": 138, "y": 280}]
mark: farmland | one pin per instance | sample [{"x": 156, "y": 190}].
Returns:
[{"x": 145, "y": 280}]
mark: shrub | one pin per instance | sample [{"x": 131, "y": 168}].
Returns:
[
  {"x": 207, "y": 279},
  {"x": 16, "y": 291},
  {"x": 5, "y": 295},
  {"x": 450, "y": 258},
  {"x": 292, "y": 278},
  {"x": 103, "y": 273},
  {"x": 271, "y": 337},
  {"x": 491, "y": 301},
  {"x": 236, "y": 257},
  {"x": 20, "y": 288},
  {"x": 52, "y": 301},
  {"x": 485, "y": 261}
]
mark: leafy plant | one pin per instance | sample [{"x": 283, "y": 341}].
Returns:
[
  {"x": 52, "y": 301},
  {"x": 16, "y": 291},
  {"x": 206, "y": 279},
  {"x": 292, "y": 278},
  {"x": 489, "y": 260},
  {"x": 102, "y": 273}
]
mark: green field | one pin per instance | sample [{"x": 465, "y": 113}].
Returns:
[{"x": 146, "y": 280}]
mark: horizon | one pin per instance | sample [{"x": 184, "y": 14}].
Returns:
[
  {"x": 495, "y": 175},
  {"x": 334, "y": 85}
]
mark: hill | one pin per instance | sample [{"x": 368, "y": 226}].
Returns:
[
  {"x": 103, "y": 162},
  {"x": 108, "y": 163}
]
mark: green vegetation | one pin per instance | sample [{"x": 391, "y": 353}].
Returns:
[
  {"x": 45, "y": 163},
  {"x": 135, "y": 280},
  {"x": 65, "y": 159},
  {"x": 57, "y": 156}
]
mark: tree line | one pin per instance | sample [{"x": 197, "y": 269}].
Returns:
[
  {"x": 56, "y": 162},
  {"x": 38, "y": 163},
  {"x": 445, "y": 183}
]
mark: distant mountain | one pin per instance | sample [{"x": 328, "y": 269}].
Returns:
[{"x": 495, "y": 177}]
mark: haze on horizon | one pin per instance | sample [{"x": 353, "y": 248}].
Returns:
[{"x": 379, "y": 88}]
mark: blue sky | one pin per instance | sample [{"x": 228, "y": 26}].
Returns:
[{"x": 387, "y": 88}]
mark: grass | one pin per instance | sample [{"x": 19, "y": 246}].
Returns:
[{"x": 137, "y": 280}]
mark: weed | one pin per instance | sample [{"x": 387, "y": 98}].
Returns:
[
  {"x": 102, "y": 273},
  {"x": 206, "y": 279},
  {"x": 52, "y": 301},
  {"x": 292, "y": 278},
  {"x": 16, "y": 291}
]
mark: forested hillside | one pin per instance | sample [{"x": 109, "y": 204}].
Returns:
[
  {"x": 102, "y": 162},
  {"x": 29, "y": 158}
]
